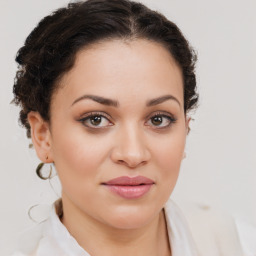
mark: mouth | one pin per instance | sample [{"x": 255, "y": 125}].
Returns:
[{"x": 130, "y": 187}]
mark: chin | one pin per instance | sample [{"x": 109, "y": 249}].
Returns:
[{"x": 131, "y": 218}]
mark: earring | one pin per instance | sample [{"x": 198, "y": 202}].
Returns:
[
  {"x": 39, "y": 212},
  {"x": 39, "y": 172}
]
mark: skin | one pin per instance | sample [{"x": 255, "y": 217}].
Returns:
[{"x": 127, "y": 142}]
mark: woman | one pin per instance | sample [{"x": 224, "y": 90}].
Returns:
[{"x": 105, "y": 89}]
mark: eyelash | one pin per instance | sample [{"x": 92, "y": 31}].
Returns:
[
  {"x": 171, "y": 119},
  {"x": 94, "y": 114},
  {"x": 166, "y": 115}
]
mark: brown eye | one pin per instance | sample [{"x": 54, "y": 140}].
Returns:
[
  {"x": 156, "y": 120},
  {"x": 160, "y": 121},
  {"x": 95, "y": 121}
]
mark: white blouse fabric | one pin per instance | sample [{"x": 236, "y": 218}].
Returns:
[{"x": 51, "y": 238}]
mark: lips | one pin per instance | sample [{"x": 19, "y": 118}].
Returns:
[{"x": 129, "y": 187}]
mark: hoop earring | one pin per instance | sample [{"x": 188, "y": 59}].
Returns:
[
  {"x": 33, "y": 219},
  {"x": 29, "y": 213},
  {"x": 39, "y": 172}
]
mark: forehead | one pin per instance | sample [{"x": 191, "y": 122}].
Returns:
[{"x": 120, "y": 69}]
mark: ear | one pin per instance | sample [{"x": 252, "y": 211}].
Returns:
[
  {"x": 41, "y": 136},
  {"x": 188, "y": 119}
]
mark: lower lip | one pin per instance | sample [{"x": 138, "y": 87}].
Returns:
[{"x": 130, "y": 192}]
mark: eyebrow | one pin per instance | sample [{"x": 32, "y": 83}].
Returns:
[
  {"x": 161, "y": 99},
  {"x": 115, "y": 103},
  {"x": 99, "y": 99}
]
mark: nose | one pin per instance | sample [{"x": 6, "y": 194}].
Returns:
[{"x": 130, "y": 148}]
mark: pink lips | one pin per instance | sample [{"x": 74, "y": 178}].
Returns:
[{"x": 130, "y": 187}]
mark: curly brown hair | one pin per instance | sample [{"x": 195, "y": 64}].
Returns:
[{"x": 50, "y": 49}]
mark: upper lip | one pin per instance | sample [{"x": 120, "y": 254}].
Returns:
[{"x": 129, "y": 181}]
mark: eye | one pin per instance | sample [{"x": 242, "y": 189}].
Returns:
[
  {"x": 95, "y": 120},
  {"x": 161, "y": 121}
]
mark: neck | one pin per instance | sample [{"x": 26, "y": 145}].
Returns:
[{"x": 100, "y": 239}]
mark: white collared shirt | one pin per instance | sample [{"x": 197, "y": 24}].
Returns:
[{"x": 53, "y": 239}]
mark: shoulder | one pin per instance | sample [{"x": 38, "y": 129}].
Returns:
[
  {"x": 31, "y": 240},
  {"x": 247, "y": 236},
  {"x": 28, "y": 241},
  {"x": 214, "y": 232}
]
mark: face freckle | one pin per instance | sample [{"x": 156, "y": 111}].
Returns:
[{"x": 118, "y": 112}]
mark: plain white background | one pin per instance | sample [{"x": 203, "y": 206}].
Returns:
[{"x": 220, "y": 168}]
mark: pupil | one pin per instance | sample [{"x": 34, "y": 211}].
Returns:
[
  {"x": 96, "y": 120},
  {"x": 157, "y": 120}
]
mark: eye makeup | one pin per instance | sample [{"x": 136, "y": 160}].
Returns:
[{"x": 101, "y": 120}]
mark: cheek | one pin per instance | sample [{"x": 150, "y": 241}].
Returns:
[
  {"x": 77, "y": 158},
  {"x": 170, "y": 151},
  {"x": 169, "y": 156}
]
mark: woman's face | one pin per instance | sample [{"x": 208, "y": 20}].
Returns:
[{"x": 118, "y": 132}]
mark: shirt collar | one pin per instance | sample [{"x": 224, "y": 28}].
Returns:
[
  {"x": 180, "y": 238},
  {"x": 57, "y": 238}
]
